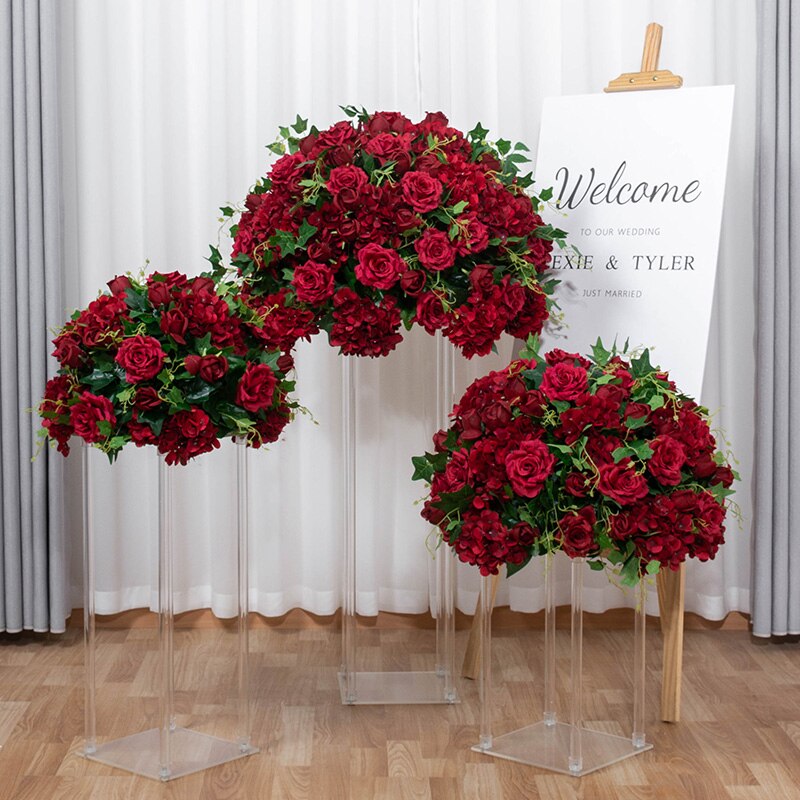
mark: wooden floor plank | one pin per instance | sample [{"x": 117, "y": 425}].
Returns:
[{"x": 739, "y": 738}]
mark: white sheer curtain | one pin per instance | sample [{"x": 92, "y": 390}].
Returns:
[{"x": 167, "y": 110}]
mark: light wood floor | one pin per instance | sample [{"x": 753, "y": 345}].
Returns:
[{"x": 739, "y": 739}]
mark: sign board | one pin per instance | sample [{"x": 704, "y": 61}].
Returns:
[{"x": 640, "y": 180}]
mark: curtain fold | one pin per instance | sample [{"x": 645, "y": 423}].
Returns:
[
  {"x": 33, "y": 576},
  {"x": 776, "y": 554},
  {"x": 167, "y": 108}
]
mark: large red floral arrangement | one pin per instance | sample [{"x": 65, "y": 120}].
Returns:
[
  {"x": 171, "y": 361},
  {"x": 378, "y": 221},
  {"x": 602, "y": 458}
]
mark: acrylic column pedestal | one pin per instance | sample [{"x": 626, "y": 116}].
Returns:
[
  {"x": 152, "y": 705},
  {"x": 562, "y": 746},
  {"x": 436, "y": 682}
]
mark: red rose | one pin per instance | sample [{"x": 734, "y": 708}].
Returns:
[
  {"x": 346, "y": 184},
  {"x": 210, "y": 368},
  {"x": 378, "y": 266},
  {"x": 174, "y": 324},
  {"x": 68, "y": 350},
  {"x": 421, "y": 191},
  {"x": 668, "y": 457},
  {"x": 285, "y": 362},
  {"x": 146, "y": 397},
  {"x": 160, "y": 285},
  {"x": 723, "y": 475},
  {"x": 563, "y": 381},
  {"x": 313, "y": 282},
  {"x": 202, "y": 284},
  {"x": 434, "y": 250},
  {"x": 256, "y": 388},
  {"x": 576, "y": 485},
  {"x": 473, "y": 235},
  {"x": 86, "y": 413},
  {"x": 532, "y": 317},
  {"x": 576, "y": 533},
  {"x": 387, "y": 121},
  {"x": 119, "y": 286},
  {"x": 412, "y": 282},
  {"x": 192, "y": 423},
  {"x": 622, "y": 483},
  {"x": 481, "y": 278},
  {"x": 637, "y": 411},
  {"x": 430, "y": 312},
  {"x": 141, "y": 357},
  {"x": 529, "y": 466}
]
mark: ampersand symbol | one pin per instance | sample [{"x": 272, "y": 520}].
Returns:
[{"x": 612, "y": 263}]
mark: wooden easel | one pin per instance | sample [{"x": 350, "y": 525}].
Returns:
[{"x": 670, "y": 584}]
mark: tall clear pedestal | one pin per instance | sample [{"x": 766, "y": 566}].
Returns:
[
  {"x": 562, "y": 745},
  {"x": 431, "y": 678},
  {"x": 170, "y": 701}
]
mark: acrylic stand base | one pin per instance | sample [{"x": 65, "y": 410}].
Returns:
[
  {"x": 362, "y": 687},
  {"x": 395, "y": 688},
  {"x": 167, "y": 751},
  {"x": 192, "y": 751},
  {"x": 547, "y": 746},
  {"x": 569, "y": 748}
]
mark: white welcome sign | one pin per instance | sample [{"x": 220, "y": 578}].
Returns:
[{"x": 640, "y": 178}]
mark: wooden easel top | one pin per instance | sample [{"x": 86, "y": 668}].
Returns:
[{"x": 650, "y": 77}]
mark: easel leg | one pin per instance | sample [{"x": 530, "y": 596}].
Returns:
[
  {"x": 472, "y": 657},
  {"x": 670, "y": 600}
]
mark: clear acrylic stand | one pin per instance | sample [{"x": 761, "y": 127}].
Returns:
[
  {"x": 167, "y": 750},
  {"x": 566, "y": 747},
  {"x": 362, "y": 687}
]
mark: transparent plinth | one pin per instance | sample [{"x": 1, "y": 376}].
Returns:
[
  {"x": 159, "y": 704},
  {"x": 565, "y": 746},
  {"x": 360, "y": 686},
  {"x": 191, "y": 751}
]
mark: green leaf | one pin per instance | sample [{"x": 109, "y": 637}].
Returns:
[
  {"x": 300, "y": 124},
  {"x": 460, "y": 207},
  {"x": 199, "y": 395},
  {"x": 478, "y": 132},
  {"x": 597, "y": 566},
  {"x": 641, "y": 366},
  {"x": 546, "y": 194},
  {"x": 620, "y": 453},
  {"x": 600, "y": 354},
  {"x": 98, "y": 379},
  {"x": 561, "y": 405},
  {"x": 656, "y": 401},
  {"x": 105, "y": 427},
  {"x": 522, "y": 146},
  {"x": 423, "y": 471},
  {"x": 641, "y": 449},
  {"x": 629, "y": 575},
  {"x": 277, "y": 147},
  {"x": 653, "y": 567},
  {"x": 503, "y": 146},
  {"x": 455, "y": 501},
  {"x": 307, "y": 230},
  {"x": 632, "y": 423},
  {"x": 531, "y": 348},
  {"x": 604, "y": 379},
  {"x": 226, "y": 211},
  {"x": 513, "y": 569}
]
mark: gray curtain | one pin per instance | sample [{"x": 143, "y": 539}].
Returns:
[
  {"x": 32, "y": 562},
  {"x": 776, "y": 557}
]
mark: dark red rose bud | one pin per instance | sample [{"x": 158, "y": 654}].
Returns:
[{"x": 119, "y": 285}]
